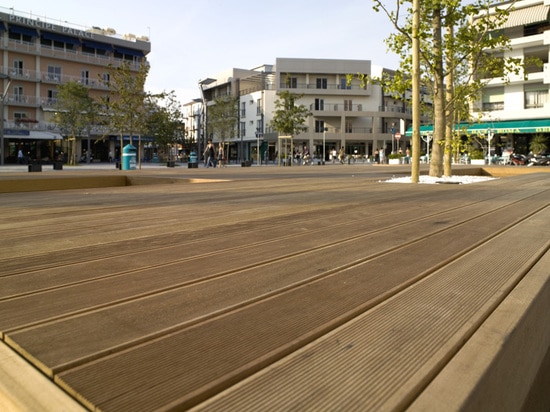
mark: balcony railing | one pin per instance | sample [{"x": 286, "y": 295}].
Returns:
[
  {"x": 336, "y": 107},
  {"x": 310, "y": 86}
]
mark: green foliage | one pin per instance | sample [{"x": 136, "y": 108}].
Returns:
[
  {"x": 289, "y": 118},
  {"x": 539, "y": 144},
  {"x": 164, "y": 119},
  {"x": 74, "y": 108},
  {"x": 222, "y": 117},
  {"x": 125, "y": 103},
  {"x": 75, "y": 112}
]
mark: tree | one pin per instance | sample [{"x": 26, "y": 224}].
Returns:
[
  {"x": 539, "y": 144},
  {"x": 126, "y": 101},
  {"x": 75, "y": 111},
  {"x": 450, "y": 62},
  {"x": 164, "y": 120},
  {"x": 223, "y": 117},
  {"x": 288, "y": 118}
]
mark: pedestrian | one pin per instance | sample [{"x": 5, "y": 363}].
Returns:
[
  {"x": 209, "y": 155},
  {"x": 382, "y": 156},
  {"x": 341, "y": 155},
  {"x": 110, "y": 157},
  {"x": 20, "y": 157},
  {"x": 220, "y": 155},
  {"x": 376, "y": 156}
]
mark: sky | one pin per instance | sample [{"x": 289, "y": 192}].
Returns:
[{"x": 193, "y": 40}]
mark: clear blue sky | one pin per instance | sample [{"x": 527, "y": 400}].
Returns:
[{"x": 191, "y": 40}]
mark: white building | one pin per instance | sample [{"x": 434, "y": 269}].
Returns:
[
  {"x": 359, "y": 118},
  {"x": 515, "y": 111}
]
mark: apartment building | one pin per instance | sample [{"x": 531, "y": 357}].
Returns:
[
  {"x": 361, "y": 118},
  {"x": 515, "y": 111},
  {"x": 38, "y": 54}
]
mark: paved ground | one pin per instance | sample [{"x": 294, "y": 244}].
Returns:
[{"x": 303, "y": 288}]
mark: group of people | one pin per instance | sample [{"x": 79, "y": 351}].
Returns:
[{"x": 213, "y": 157}]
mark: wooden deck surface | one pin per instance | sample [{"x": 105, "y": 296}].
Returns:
[{"x": 323, "y": 289}]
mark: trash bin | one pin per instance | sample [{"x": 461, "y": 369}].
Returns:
[
  {"x": 129, "y": 154},
  {"x": 57, "y": 165},
  {"x": 193, "y": 161}
]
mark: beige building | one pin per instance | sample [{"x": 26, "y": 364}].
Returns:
[
  {"x": 36, "y": 55},
  {"x": 356, "y": 117}
]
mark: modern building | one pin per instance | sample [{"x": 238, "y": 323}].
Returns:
[
  {"x": 38, "y": 54},
  {"x": 515, "y": 111},
  {"x": 360, "y": 118}
]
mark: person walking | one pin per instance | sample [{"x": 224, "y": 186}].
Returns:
[
  {"x": 382, "y": 156},
  {"x": 209, "y": 155},
  {"x": 341, "y": 155},
  {"x": 221, "y": 155}
]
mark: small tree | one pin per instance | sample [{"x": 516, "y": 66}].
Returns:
[
  {"x": 289, "y": 118},
  {"x": 455, "y": 45},
  {"x": 222, "y": 118},
  {"x": 165, "y": 120},
  {"x": 539, "y": 144},
  {"x": 126, "y": 101},
  {"x": 74, "y": 115}
]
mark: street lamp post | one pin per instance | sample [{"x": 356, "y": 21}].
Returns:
[
  {"x": 489, "y": 138},
  {"x": 427, "y": 139},
  {"x": 202, "y": 83},
  {"x": 2, "y": 99},
  {"x": 392, "y": 136},
  {"x": 324, "y": 141},
  {"x": 258, "y": 136}
]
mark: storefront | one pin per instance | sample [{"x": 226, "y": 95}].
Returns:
[{"x": 35, "y": 146}]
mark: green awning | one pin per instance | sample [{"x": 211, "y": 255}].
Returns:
[{"x": 509, "y": 127}]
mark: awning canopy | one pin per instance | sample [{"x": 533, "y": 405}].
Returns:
[
  {"x": 60, "y": 38},
  {"x": 23, "y": 30},
  {"x": 31, "y": 135},
  {"x": 129, "y": 52},
  {"x": 527, "y": 15},
  {"x": 98, "y": 45},
  {"x": 508, "y": 127}
]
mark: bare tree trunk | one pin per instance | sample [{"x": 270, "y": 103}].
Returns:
[
  {"x": 449, "y": 112},
  {"x": 436, "y": 161},
  {"x": 415, "y": 166}
]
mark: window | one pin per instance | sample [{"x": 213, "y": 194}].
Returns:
[
  {"x": 20, "y": 115},
  {"x": 18, "y": 94},
  {"x": 292, "y": 82},
  {"x": 344, "y": 84},
  {"x": 322, "y": 83},
  {"x": 348, "y": 106},
  {"x": 493, "y": 99},
  {"x": 106, "y": 79},
  {"x": 259, "y": 107},
  {"x": 319, "y": 104},
  {"x": 243, "y": 129},
  {"x": 54, "y": 73},
  {"x": 17, "y": 68},
  {"x": 84, "y": 76},
  {"x": 243, "y": 109},
  {"x": 319, "y": 126},
  {"x": 348, "y": 126},
  {"x": 52, "y": 97},
  {"x": 536, "y": 95}
]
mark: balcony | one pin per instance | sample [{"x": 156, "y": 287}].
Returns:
[
  {"x": 330, "y": 89},
  {"x": 337, "y": 109}
]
